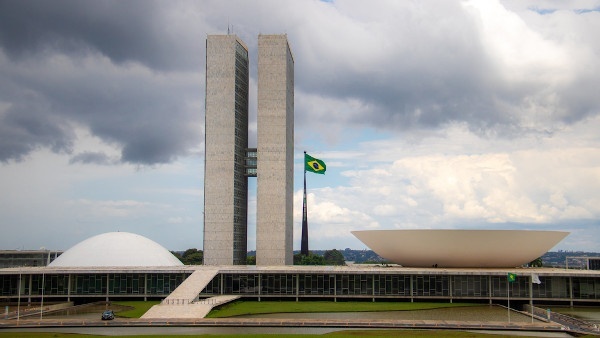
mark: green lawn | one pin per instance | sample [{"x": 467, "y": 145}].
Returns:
[
  {"x": 239, "y": 308},
  {"x": 138, "y": 308},
  {"x": 351, "y": 334}
]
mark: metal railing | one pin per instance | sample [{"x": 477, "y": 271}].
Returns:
[
  {"x": 177, "y": 301},
  {"x": 180, "y": 301},
  {"x": 573, "y": 324}
]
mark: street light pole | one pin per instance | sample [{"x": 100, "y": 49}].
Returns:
[
  {"x": 19, "y": 297},
  {"x": 42, "y": 301}
]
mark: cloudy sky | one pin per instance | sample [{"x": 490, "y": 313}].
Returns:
[{"x": 430, "y": 115}]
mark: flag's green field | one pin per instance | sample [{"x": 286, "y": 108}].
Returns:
[{"x": 249, "y": 308}]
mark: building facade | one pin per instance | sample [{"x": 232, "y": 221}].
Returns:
[
  {"x": 275, "y": 167},
  {"x": 558, "y": 286},
  {"x": 16, "y": 258},
  {"x": 229, "y": 162},
  {"x": 226, "y": 142}
]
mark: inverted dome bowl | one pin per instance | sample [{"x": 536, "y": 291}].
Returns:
[{"x": 460, "y": 248}]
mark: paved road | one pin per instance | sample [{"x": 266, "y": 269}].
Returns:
[
  {"x": 173, "y": 330},
  {"x": 283, "y": 322}
]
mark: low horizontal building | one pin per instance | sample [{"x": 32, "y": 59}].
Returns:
[
  {"x": 372, "y": 283},
  {"x": 117, "y": 265},
  {"x": 14, "y": 258}
]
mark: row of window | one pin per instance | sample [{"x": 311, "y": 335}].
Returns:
[
  {"x": 90, "y": 284},
  {"x": 401, "y": 285},
  {"x": 253, "y": 284}
]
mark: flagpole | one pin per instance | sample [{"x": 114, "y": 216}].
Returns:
[
  {"x": 42, "y": 301},
  {"x": 317, "y": 166},
  {"x": 531, "y": 295},
  {"x": 304, "y": 241},
  {"x": 508, "y": 292},
  {"x": 19, "y": 298},
  {"x": 508, "y": 284}
]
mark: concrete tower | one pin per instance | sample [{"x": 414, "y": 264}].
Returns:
[
  {"x": 229, "y": 162},
  {"x": 226, "y": 142},
  {"x": 275, "y": 165}
]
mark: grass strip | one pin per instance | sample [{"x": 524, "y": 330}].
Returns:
[
  {"x": 240, "y": 308},
  {"x": 338, "y": 334},
  {"x": 138, "y": 308}
]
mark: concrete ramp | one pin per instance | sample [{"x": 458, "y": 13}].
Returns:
[
  {"x": 188, "y": 291},
  {"x": 194, "y": 310},
  {"x": 183, "y": 302}
]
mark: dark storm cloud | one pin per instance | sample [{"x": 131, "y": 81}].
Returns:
[
  {"x": 116, "y": 68},
  {"x": 122, "y": 30},
  {"x": 427, "y": 65},
  {"x": 418, "y": 76},
  {"x": 404, "y": 92},
  {"x": 28, "y": 123},
  {"x": 152, "y": 117},
  {"x": 131, "y": 71},
  {"x": 89, "y": 157},
  {"x": 26, "y": 128}
]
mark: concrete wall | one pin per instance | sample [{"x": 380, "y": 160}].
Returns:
[
  {"x": 226, "y": 139},
  {"x": 275, "y": 178}
]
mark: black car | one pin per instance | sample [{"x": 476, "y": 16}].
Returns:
[{"x": 108, "y": 315}]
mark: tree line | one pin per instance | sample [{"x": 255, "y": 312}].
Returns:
[
  {"x": 317, "y": 257},
  {"x": 329, "y": 257}
]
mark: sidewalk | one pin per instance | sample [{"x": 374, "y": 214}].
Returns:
[{"x": 263, "y": 322}]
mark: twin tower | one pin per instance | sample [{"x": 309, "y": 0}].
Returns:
[{"x": 229, "y": 162}]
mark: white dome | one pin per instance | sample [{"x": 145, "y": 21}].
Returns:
[{"x": 116, "y": 249}]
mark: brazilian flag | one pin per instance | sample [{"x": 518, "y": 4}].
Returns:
[
  {"x": 314, "y": 165},
  {"x": 511, "y": 277}
]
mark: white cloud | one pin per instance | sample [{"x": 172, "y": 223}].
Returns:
[
  {"x": 534, "y": 182},
  {"x": 329, "y": 222},
  {"x": 110, "y": 209},
  {"x": 520, "y": 53}
]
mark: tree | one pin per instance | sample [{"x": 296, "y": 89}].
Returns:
[
  {"x": 178, "y": 255},
  {"x": 250, "y": 260},
  {"x": 536, "y": 263},
  {"x": 334, "y": 257},
  {"x": 190, "y": 257},
  {"x": 310, "y": 259}
]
